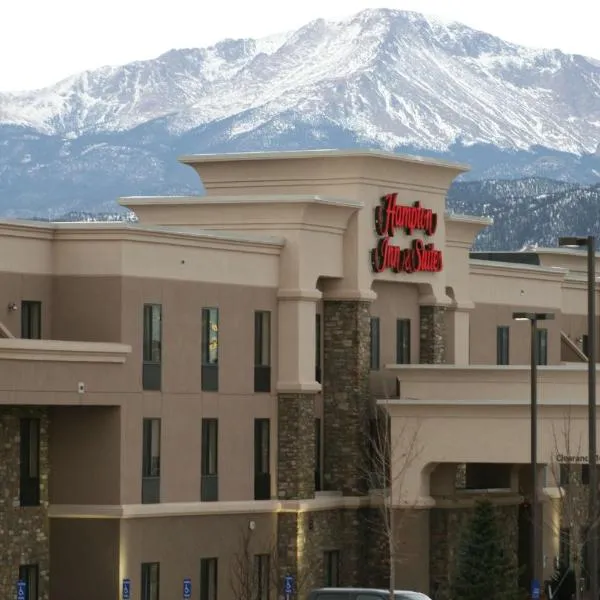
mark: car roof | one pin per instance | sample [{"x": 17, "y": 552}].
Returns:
[{"x": 357, "y": 589}]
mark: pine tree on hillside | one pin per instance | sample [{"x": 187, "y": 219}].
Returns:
[{"x": 483, "y": 569}]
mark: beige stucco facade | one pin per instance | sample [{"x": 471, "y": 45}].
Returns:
[{"x": 290, "y": 234}]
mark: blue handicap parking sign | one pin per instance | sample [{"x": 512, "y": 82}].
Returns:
[
  {"x": 535, "y": 590},
  {"x": 126, "y": 589},
  {"x": 187, "y": 588},
  {"x": 21, "y": 590},
  {"x": 288, "y": 586}
]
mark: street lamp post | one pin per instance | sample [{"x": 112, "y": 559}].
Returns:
[
  {"x": 589, "y": 243},
  {"x": 533, "y": 318}
]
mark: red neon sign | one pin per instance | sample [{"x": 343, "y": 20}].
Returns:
[{"x": 419, "y": 257}]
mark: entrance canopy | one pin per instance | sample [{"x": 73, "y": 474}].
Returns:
[{"x": 481, "y": 414}]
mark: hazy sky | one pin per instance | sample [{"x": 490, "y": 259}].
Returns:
[{"x": 42, "y": 42}]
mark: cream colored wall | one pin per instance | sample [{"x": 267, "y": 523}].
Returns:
[
  {"x": 467, "y": 431},
  {"x": 357, "y": 176}
]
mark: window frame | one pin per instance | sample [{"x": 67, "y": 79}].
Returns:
[
  {"x": 403, "y": 341},
  {"x": 332, "y": 568},
  {"x": 262, "y": 459},
  {"x": 262, "y": 571},
  {"x": 27, "y": 573},
  {"x": 153, "y": 333},
  {"x": 318, "y": 454},
  {"x": 30, "y": 478},
  {"x": 318, "y": 347},
  {"x": 152, "y": 346},
  {"x": 151, "y": 462},
  {"x": 150, "y": 578},
  {"x": 31, "y": 319},
  {"x": 210, "y": 334},
  {"x": 542, "y": 346},
  {"x": 209, "y": 574},
  {"x": 263, "y": 341},
  {"x": 209, "y": 460},
  {"x": 503, "y": 345},
  {"x": 375, "y": 343}
]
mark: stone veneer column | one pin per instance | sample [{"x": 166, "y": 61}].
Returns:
[
  {"x": 24, "y": 531},
  {"x": 346, "y": 357},
  {"x": 296, "y": 446},
  {"x": 432, "y": 336}
]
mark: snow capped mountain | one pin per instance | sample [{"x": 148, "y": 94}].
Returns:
[
  {"x": 381, "y": 78},
  {"x": 527, "y": 212},
  {"x": 392, "y": 77}
]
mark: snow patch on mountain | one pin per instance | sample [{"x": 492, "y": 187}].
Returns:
[{"x": 393, "y": 78}]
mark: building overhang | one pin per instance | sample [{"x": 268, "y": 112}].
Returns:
[
  {"x": 265, "y": 212},
  {"x": 60, "y": 351},
  {"x": 490, "y": 385},
  {"x": 194, "y": 159},
  {"x": 461, "y": 230},
  {"x": 328, "y": 172}
]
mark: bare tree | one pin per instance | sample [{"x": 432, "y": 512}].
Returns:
[
  {"x": 568, "y": 465},
  {"x": 257, "y": 570},
  {"x": 390, "y": 458},
  {"x": 246, "y": 576},
  {"x": 304, "y": 567}
]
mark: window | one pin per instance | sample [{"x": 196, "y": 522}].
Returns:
[
  {"x": 262, "y": 468},
  {"x": 332, "y": 568},
  {"x": 542, "y": 346},
  {"x": 403, "y": 341},
  {"x": 151, "y": 370},
  {"x": 151, "y": 461},
  {"x": 209, "y": 481},
  {"x": 262, "y": 572},
  {"x": 29, "y": 491},
  {"x": 31, "y": 320},
  {"x": 374, "y": 343},
  {"x": 585, "y": 474},
  {"x": 502, "y": 347},
  {"x": 29, "y": 575},
  {"x": 208, "y": 578},
  {"x": 317, "y": 455},
  {"x": 564, "y": 474},
  {"x": 150, "y": 581},
  {"x": 262, "y": 351},
  {"x": 210, "y": 349},
  {"x": 318, "y": 368}
]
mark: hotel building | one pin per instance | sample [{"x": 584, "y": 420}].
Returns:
[{"x": 186, "y": 397}]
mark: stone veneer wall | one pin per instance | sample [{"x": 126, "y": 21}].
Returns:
[
  {"x": 296, "y": 446},
  {"x": 446, "y": 525},
  {"x": 432, "y": 336},
  {"x": 24, "y": 532},
  {"x": 346, "y": 354},
  {"x": 305, "y": 537}
]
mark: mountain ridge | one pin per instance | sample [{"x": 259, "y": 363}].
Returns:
[
  {"x": 387, "y": 79},
  {"x": 373, "y": 53},
  {"x": 559, "y": 208}
]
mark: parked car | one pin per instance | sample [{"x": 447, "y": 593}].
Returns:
[{"x": 364, "y": 594}]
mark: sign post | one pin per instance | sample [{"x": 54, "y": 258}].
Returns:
[
  {"x": 187, "y": 588},
  {"x": 288, "y": 586},
  {"x": 126, "y": 592},
  {"x": 21, "y": 590},
  {"x": 535, "y": 589}
]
